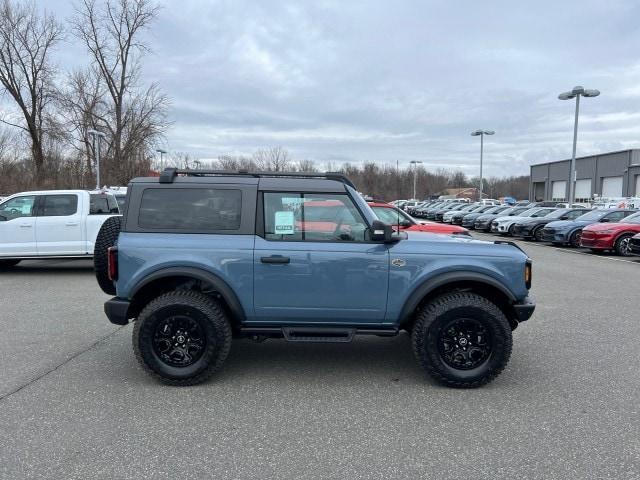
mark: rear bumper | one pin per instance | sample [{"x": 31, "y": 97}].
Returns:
[
  {"x": 524, "y": 309},
  {"x": 117, "y": 311}
]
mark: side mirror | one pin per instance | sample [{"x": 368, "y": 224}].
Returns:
[
  {"x": 564, "y": 217},
  {"x": 3, "y": 218},
  {"x": 405, "y": 223},
  {"x": 382, "y": 232},
  {"x": 604, "y": 220}
]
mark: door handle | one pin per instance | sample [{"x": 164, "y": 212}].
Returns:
[
  {"x": 275, "y": 259},
  {"x": 25, "y": 225},
  {"x": 71, "y": 224}
]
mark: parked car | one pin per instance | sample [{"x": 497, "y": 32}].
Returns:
[
  {"x": 469, "y": 220},
  {"x": 253, "y": 270},
  {"x": 52, "y": 224},
  {"x": 392, "y": 215},
  {"x": 483, "y": 222},
  {"x": 634, "y": 245},
  {"x": 505, "y": 225},
  {"x": 453, "y": 208},
  {"x": 456, "y": 218},
  {"x": 430, "y": 210},
  {"x": 448, "y": 216},
  {"x": 568, "y": 232},
  {"x": 611, "y": 236},
  {"x": 531, "y": 228},
  {"x": 477, "y": 211}
]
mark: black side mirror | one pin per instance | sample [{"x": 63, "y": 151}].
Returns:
[
  {"x": 604, "y": 220},
  {"x": 564, "y": 217},
  {"x": 382, "y": 232}
]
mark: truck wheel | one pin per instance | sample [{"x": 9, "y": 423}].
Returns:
[
  {"x": 462, "y": 340},
  {"x": 9, "y": 263},
  {"x": 182, "y": 337},
  {"x": 622, "y": 245},
  {"x": 107, "y": 237}
]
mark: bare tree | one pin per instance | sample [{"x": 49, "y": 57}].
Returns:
[
  {"x": 276, "y": 159},
  {"x": 111, "y": 33},
  {"x": 26, "y": 71}
]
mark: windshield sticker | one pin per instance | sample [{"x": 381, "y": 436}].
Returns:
[{"x": 284, "y": 223}]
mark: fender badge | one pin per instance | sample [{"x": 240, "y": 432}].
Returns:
[{"x": 398, "y": 262}]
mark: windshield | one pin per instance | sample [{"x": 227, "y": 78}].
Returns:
[
  {"x": 544, "y": 212},
  {"x": 595, "y": 215},
  {"x": 530, "y": 212},
  {"x": 557, "y": 213},
  {"x": 390, "y": 215}
]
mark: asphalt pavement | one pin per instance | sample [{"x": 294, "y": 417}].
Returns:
[{"x": 75, "y": 404}]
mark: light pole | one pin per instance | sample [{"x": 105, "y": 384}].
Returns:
[
  {"x": 481, "y": 133},
  {"x": 576, "y": 93},
  {"x": 161, "y": 152},
  {"x": 415, "y": 174},
  {"x": 96, "y": 135}
]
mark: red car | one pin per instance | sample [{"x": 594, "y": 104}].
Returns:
[
  {"x": 611, "y": 236},
  {"x": 389, "y": 214}
]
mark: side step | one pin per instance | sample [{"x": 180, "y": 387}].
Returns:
[{"x": 324, "y": 335}]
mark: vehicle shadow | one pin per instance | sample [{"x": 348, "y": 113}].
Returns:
[{"x": 29, "y": 267}]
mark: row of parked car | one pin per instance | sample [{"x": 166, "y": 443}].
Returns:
[{"x": 614, "y": 229}]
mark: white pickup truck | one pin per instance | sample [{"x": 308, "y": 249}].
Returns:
[{"x": 52, "y": 224}]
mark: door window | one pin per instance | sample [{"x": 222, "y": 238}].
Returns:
[
  {"x": 616, "y": 216},
  {"x": 312, "y": 217},
  {"x": 59, "y": 205},
  {"x": 17, "y": 207}
]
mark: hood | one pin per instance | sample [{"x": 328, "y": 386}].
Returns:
[
  {"x": 597, "y": 227},
  {"x": 508, "y": 218},
  {"x": 530, "y": 220},
  {"x": 437, "y": 244},
  {"x": 568, "y": 224},
  {"x": 488, "y": 216}
]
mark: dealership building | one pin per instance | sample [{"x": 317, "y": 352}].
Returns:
[{"x": 615, "y": 174}]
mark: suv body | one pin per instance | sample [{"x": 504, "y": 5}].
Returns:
[
  {"x": 394, "y": 216},
  {"x": 611, "y": 236},
  {"x": 505, "y": 225},
  {"x": 531, "y": 228},
  {"x": 564, "y": 232},
  {"x": 52, "y": 224},
  {"x": 303, "y": 256}
]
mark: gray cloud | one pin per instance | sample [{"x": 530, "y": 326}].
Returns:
[{"x": 408, "y": 80}]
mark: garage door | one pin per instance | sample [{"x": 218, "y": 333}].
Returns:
[
  {"x": 637, "y": 185},
  {"x": 558, "y": 191},
  {"x": 583, "y": 190},
  {"x": 612, "y": 187}
]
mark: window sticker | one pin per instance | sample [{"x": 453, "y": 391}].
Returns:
[
  {"x": 292, "y": 203},
  {"x": 285, "y": 223}
]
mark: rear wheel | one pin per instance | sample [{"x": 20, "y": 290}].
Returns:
[
  {"x": 9, "y": 263},
  {"x": 462, "y": 340},
  {"x": 182, "y": 337},
  {"x": 574, "y": 240},
  {"x": 623, "y": 245},
  {"x": 107, "y": 237},
  {"x": 537, "y": 234}
]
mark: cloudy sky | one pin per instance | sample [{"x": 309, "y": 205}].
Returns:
[{"x": 408, "y": 80}]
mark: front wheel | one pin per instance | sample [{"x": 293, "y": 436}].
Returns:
[
  {"x": 182, "y": 337},
  {"x": 623, "y": 245},
  {"x": 462, "y": 340},
  {"x": 575, "y": 239}
]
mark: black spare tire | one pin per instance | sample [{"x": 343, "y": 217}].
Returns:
[{"x": 107, "y": 237}]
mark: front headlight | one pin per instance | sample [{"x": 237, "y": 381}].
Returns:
[{"x": 606, "y": 232}]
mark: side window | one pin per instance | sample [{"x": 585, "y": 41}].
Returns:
[
  {"x": 17, "y": 207},
  {"x": 190, "y": 209},
  {"x": 101, "y": 204},
  {"x": 575, "y": 214},
  {"x": 312, "y": 217},
  {"x": 59, "y": 205},
  {"x": 616, "y": 216}
]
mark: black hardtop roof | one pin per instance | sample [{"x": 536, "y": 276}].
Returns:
[{"x": 169, "y": 175}]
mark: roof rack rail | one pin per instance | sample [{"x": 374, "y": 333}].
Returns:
[{"x": 169, "y": 175}]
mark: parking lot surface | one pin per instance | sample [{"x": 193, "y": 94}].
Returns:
[{"x": 75, "y": 404}]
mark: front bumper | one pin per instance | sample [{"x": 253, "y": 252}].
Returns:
[
  {"x": 117, "y": 310},
  {"x": 524, "y": 309},
  {"x": 522, "y": 230},
  {"x": 602, "y": 243},
  {"x": 549, "y": 235},
  {"x": 634, "y": 246}
]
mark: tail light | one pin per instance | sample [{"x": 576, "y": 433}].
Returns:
[
  {"x": 527, "y": 274},
  {"x": 112, "y": 263}
]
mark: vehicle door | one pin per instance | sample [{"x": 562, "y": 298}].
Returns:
[
  {"x": 17, "y": 227},
  {"x": 59, "y": 228},
  {"x": 313, "y": 261}
]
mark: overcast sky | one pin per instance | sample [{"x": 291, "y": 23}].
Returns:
[{"x": 379, "y": 81}]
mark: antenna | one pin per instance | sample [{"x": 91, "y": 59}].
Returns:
[{"x": 398, "y": 193}]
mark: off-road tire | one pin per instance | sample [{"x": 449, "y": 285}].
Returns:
[
  {"x": 441, "y": 310},
  {"x": 621, "y": 246},
  {"x": 107, "y": 237},
  {"x": 214, "y": 322},
  {"x": 9, "y": 263},
  {"x": 574, "y": 239}
]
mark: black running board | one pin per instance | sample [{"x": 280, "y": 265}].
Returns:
[{"x": 314, "y": 334}]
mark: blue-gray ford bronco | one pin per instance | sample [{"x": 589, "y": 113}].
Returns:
[{"x": 202, "y": 257}]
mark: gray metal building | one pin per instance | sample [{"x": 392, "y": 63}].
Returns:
[{"x": 614, "y": 174}]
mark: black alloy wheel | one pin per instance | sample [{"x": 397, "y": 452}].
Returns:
[
  {"x": 464, "y": 343},
  {"x": 179, "y": 340}
]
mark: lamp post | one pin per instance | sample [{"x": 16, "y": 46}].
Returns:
[
  {"x": 96, "y": 136},
  {"x": 161, "y": 152},
  {"x": 415, "y": 174},
  {"x": 576, "y": 93},
  {"x": 481, "y": 133}
]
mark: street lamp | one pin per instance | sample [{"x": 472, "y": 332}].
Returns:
[
  {"x": 96, "y": 135},
  {"x": 161, "y": 152},
  {"x": 576, "y": 93},
  {"x": 415, "y": 174},
  {"x": 481, "y": 133}
]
